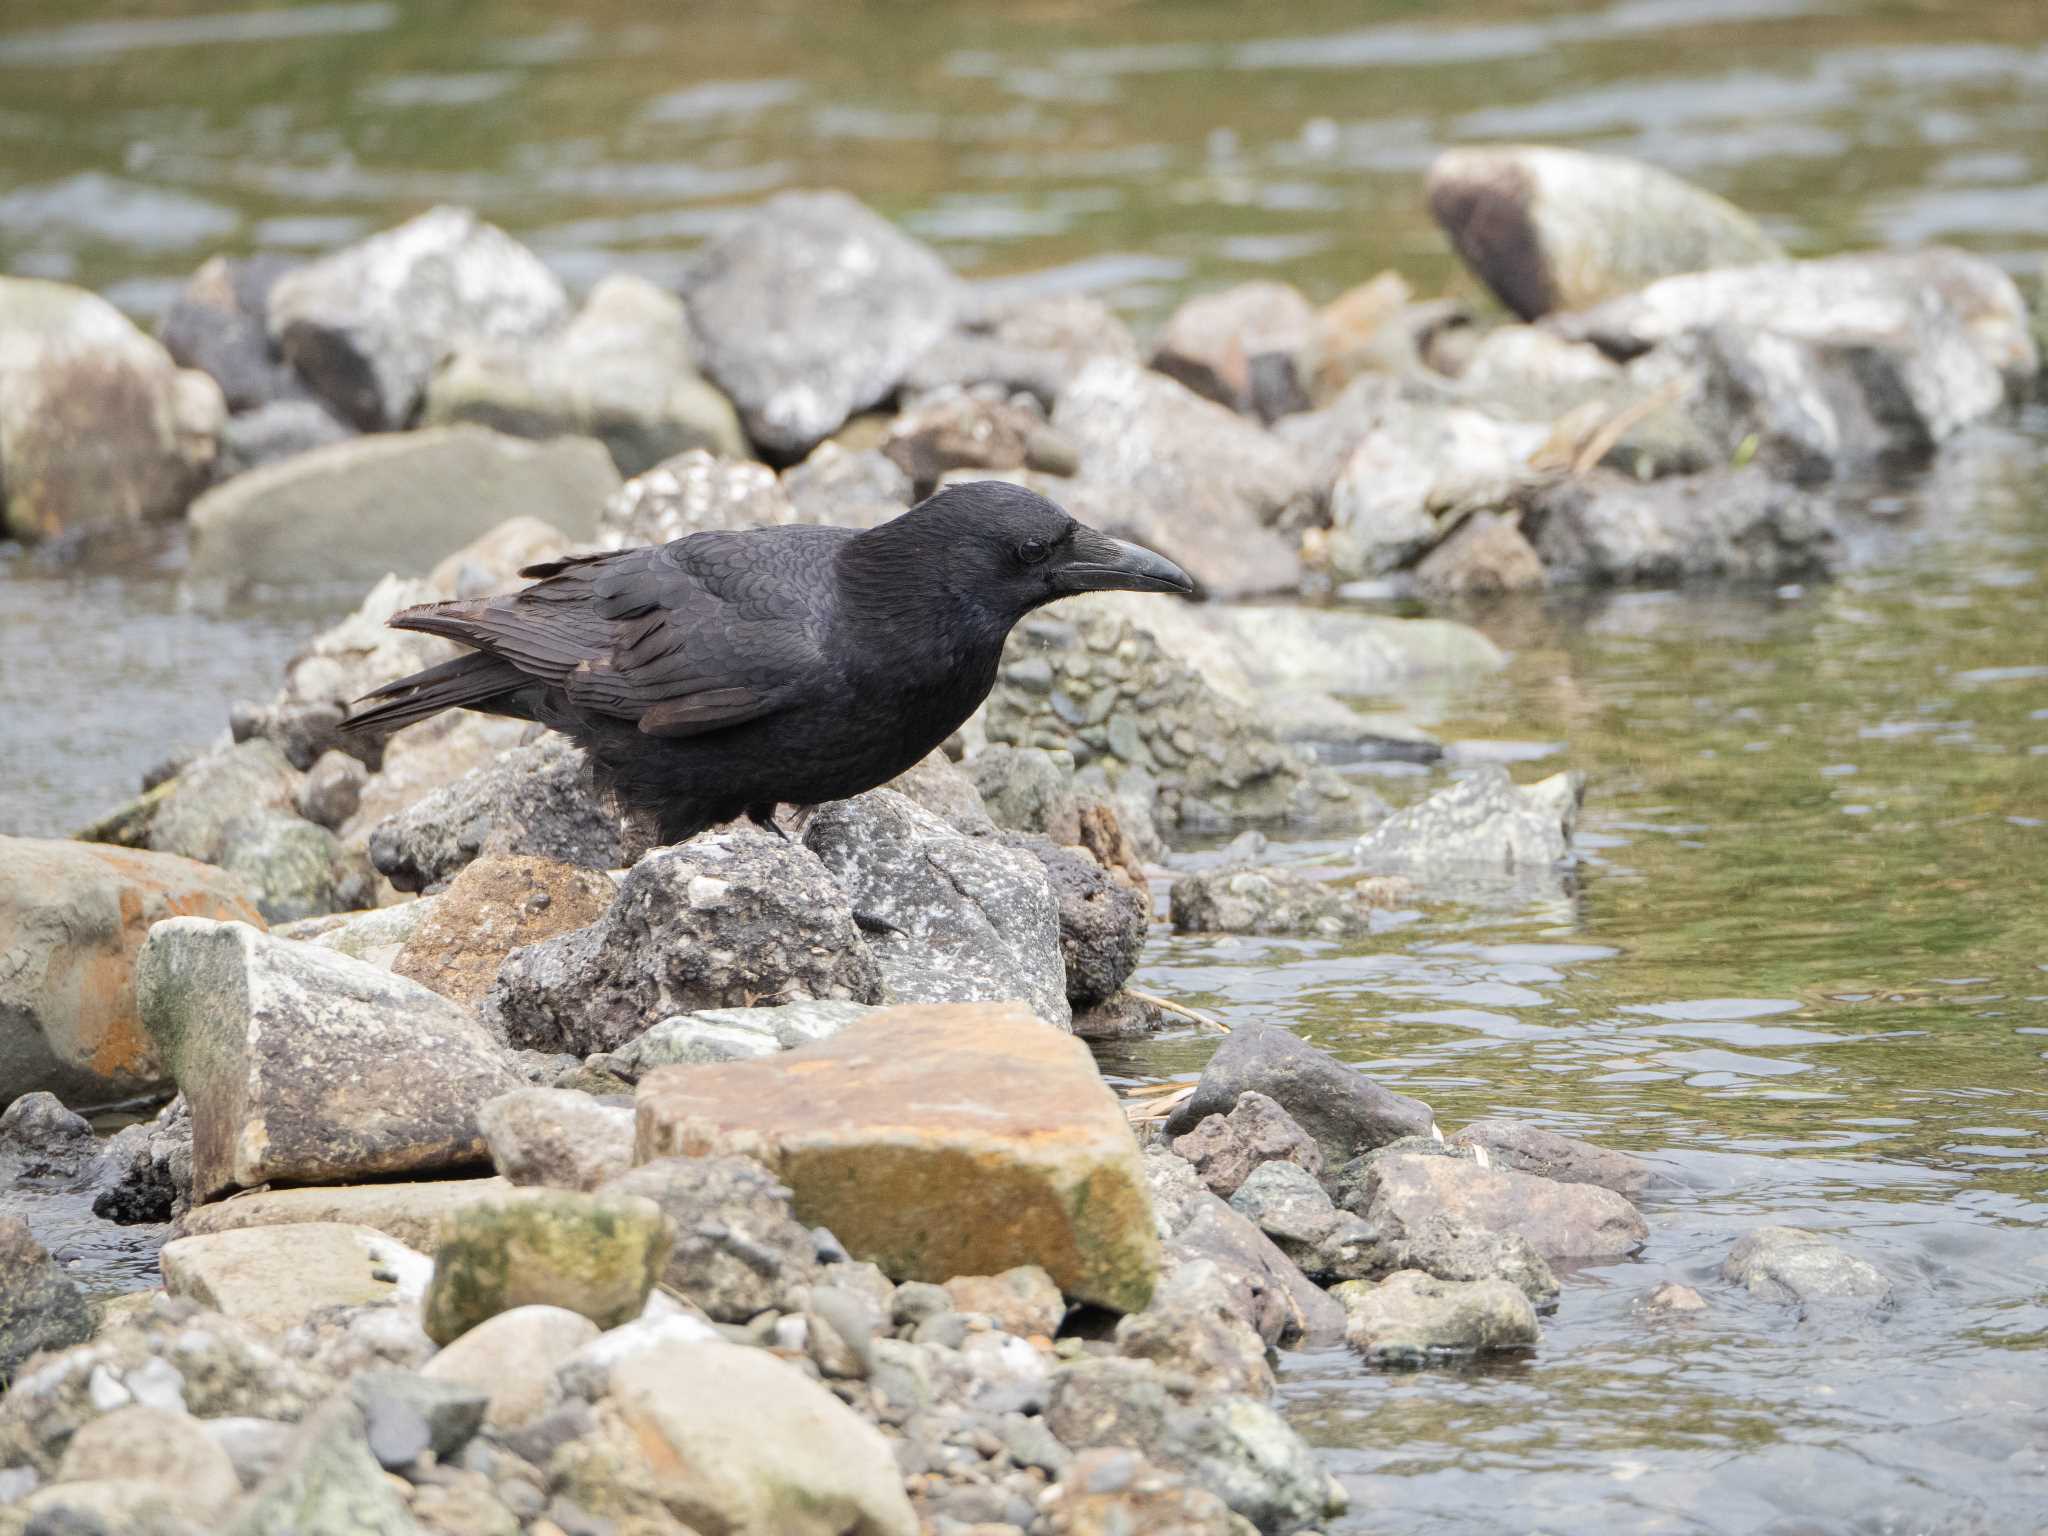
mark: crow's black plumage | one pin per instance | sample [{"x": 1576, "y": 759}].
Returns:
[{"x": 728, "y": 673}]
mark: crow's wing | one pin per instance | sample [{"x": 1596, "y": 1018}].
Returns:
[{"x": 681, "y": 638}]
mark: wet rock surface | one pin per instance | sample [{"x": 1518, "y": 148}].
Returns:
[
  {"x": 1483, "y": 834},
  {"x": 1400, "y": 1192},
  {"x": 1284, "y": 901},
  {"x": 1790, "y": 1264},
  {"x": 1411, "y": 1318}
]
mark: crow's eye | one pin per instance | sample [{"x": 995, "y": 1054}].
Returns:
[{"x": 1031, "y": 551}]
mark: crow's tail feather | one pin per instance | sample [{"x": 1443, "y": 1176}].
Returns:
[{"x": 475, "y": 681}]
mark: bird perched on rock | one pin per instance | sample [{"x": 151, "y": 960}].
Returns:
[{"x": 732, "y": 672}]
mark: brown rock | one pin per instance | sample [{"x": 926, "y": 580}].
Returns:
[
  {"x": 1226, "y": 1148},
  {"x": 1221, "y": 344},
  {"x": 72, "y": 919},
  {"x": 935, "y": 1141},
  {"x": 1529, "y": 1149},
  {"x": 491, "y": 908},
  {"x": 1022, "y": 1301},
  {"x": 1561, "y": 1221},
  {"x": 1484, "y": 556}
]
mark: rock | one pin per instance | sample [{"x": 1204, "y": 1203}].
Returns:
[
  {"x": 377, "y": 935},
  {"x": 1042, "y": 1169},
  {"x": 513, "y": 1356},
  {"x": 739, "y": 1249},
  {"x": 947, "y": 792},
  {"x": 273, "y": 1277},
  {"x": 1578, "y": 1222},
  {"x": 1185, "y": 476},
  {"x": 332, "y": 789},
  {"x": 1484, "y": 556},
  {"x": 1529, "y": 1149},
  {"x": 539, "y": 801},
  {"x": 557, "y": 1137},
  {"x": 219, "y": 325},
  {"x": 411, "y": 1214},
  {"x": 1448, "y": 1250},
  {"x": 405, "y": 1412},
  {"x": 1285, "y": 901},
  {"x": 43, "y": 1141},
  {"x": 40, "y": 1307},
  {"x": 132, "y": 1506},
  {"x": 400, "y": 502},
  {"x": 1036, "y": 345},
  {"x": 770, "y": 1453},
  {"x": 1027, "y": 789},
  {"x": 1553, "y": 229},
  {"x": 491, "y": 907},
  {"x": 366, "y": 325},
  {"x": 153, "y": 1445},
  {"x": 1790, "y": 1264},
  {"x": 490, "y": 564},
  {"x": 620, "y": 372},
  {"x": 98, "y": 426},
  {"x": 693, "y": 493},
  {"x": 597, "y": 1254},
  {"x": 1605, "y": 529},
  {"x": 1102, "y": 918},
  {"x": 328, "y": 1481},
  {"x": 145, "y": 1170},
  {"x": 72, "y": 919},
  {"x": 1023, "y": 1301},
  {"x": 272, "y": 433},
  {"x": 1480, "y": 835},
  {"x": 730, "y": 1034},
  {"x": 953, "y": 429},
  {"x": 949, "y": 918},
  {"x": 1241, "y": 347},
  {"x": 813, "y": 308},
  {"x": 1192, "y": 1325},
  {"x": 1226, "y": 1147},
  {"x": 1344, "y": 1110},
  {"x": 1416, "y": 462},
  {"x": 305, "y": 1066},
  {"x": 1119, "y": 1493},
  {"x": 1289, "y": 1206},
  {"x": 846, "y": 488},
  {"x": 1671, "y": 1299},
  {"x": 1528, "y": 373},
  {"x": 725, "y": 920},
  {"x": 1238, "y": 1449},
  {"x": 1411, "y": 1318}
]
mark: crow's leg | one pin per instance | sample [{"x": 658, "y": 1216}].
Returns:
[{"x": 763, "y": 816}]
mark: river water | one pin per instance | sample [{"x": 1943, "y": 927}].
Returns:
[{"x": 1805, "y": 960}]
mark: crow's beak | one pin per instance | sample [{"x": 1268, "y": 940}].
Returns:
[{"x": 1097, "y": 563}]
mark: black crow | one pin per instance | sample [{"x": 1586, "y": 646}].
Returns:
[{"x": 732, "y": 672}]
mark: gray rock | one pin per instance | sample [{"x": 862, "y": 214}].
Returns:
[
  {"x": 366, "y": 325},
  {"x": 1481, "y": 836},
  {"x": 1027, "y": 789},
  {"x": 1606, "y": 529},
  {"x": 1102, "y": 918},
  {"x": 556, "y": 1137},
  {"x": 1439, "y": 1246},
  {"x": 253, "y": 1446},
  {"x": 1289, "y": 1206},
  {"x": 98, "y": 427},
  {"x": 40, "y": 1307},
  {"x": 1485, "y": 556},
  {"x": 1671, "y": 1299},
  {"x": 1226, "y": 1147},
  {"x": 404, "y": 1405},
  {"x": 967, "y": 919},
  {"x": 845, "y": 488},
  {"x": 327, "y": 1481},
  {"x": 271, "y": 433},
  {"x": 41, "y": 1139},
  {"x": 332, "y": 789},
  {"x": 1238, "y": 1449},
  {"x": 1192, "y": 1324},
  {"x": 145, "y": 1170},
  {"x": 1286, "y": 901},
  {"x": 1118, "y": 1490},
  {"x": 730, "y": 1034},
  {"x": 1561, "y": 229},
  {"x": 620, "y": 372},
  {"x": 1412, "y": 1319},
  {"x": 1344, "y": 1110},
  {"x": 307, "y": 1066},
  {"x": 947, "y": 792},
  {"x": 694, "y": 492},
  {"x": 540, "y": 799},
  {"x": 1790, "y": 1264},
  {"x": 1530, "y": 1149},
  {"x": 219, "y": 325},
  {"x": 725, "y": 920},
  {"x": 513, "y": 1356},
  {"x": 1401, "y": 1193},
  {"x": 1185, "y": 476},
  {"x": 1242, "y": 347},
  {"x": 811, "y": 309},
  {"x": 952, "y": 434},
  {"x": 357, "y": 509},
  {"x": 1036, "y": 345}
]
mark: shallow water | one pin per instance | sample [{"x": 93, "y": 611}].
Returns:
[{"x": 1805, "y": 961}]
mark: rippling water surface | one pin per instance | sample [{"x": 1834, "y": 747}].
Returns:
[{"x": 1805, "y": 961}]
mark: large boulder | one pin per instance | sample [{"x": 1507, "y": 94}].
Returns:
[
  {"x": 1481, "y": 835},
  {"x": 366, "y": 325},
  {"x": 935, "y": 1141},
  {"x": 724, "y": 921},
  {"x": 391, "y": 502},
  {"x": 73, "y": 917},
  {"x": 1553, "y": 229},
  {"x": 219, "y": 324},
  {"x": 949, "y": 918},
  {"x": 98, "y": 426},
  {"x": 304, "y": 1066},
  {"x": 1185, "y": 476},
  {"x": 811, "y": 309},
  {"x": 491, "y": 908},
  {"x": 620, "y": 372},
  {"x": 1402, "y": 1192}
]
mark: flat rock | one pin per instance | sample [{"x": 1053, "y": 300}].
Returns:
[
  {"x": 1553, "y": 229},
  {"x": 730, "y": 1034},
  {"x": 1185, "y": 476},
  {"x": 1790, "y": 1264},
  {"x": 873, "y": 1132},
  {"x": 410, "y": 1213},
  {"x": 1479, "y": 836},
  {"x": 557, "y": 1137},
  {"x": 1411, "y": 1318},
  {"x": 725, "y": 920},
  {"x": 513, "y": 1356},
  {"x": 1530, "y": 1149},
  {"x": 72, "y": 920},
  {"x": 40, "y": 1306},
  {"x": 739, "y": 1249},
  {"x": 366, "y": 325},
  {"x": 305, "y": 1066},
  {"x": 1578, "y": 1222},
  {"x": 973, "y": 920},
  {"x": 1344, "y": 1110},
  {"x": 1285, "y": 901},
  {"x": 954, "y": 433},
  {"x": 813, "y": 308},
  {"x": 273, "y": 1277},
  {"x": 400, "y": 502},
  {"x": 489, "y": 909}
]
